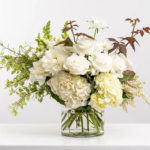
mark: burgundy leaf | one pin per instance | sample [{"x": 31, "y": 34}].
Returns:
[
  {"x": 83, "y": 34},
  {"x": 66, "y": 29},
  {"x": 122, "y": 49},
  {"x": 76, "y": 25},
  {"x": 131, "y": 41},
  {"x": 112, "y": 39},
  {"x": 129, "y": 73},
  {"x": 142, "y": 32},
  {"x": 146, "y": 29},
  {"x": 137, "y": 19},
  {"x": 116, "y": 45},
  {"x": 67, "y": 40}
]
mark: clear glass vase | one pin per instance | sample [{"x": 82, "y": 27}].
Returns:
[{"x": 75, "y": 123}]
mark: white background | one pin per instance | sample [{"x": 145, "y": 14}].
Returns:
[{"x": 22, "y": 20}]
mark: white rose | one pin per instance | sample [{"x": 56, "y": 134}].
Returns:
[
  {"x": 77, "y": 65},
  {"x": 121, "y": 64},
  {"x": 84, "y": 46},
  {"x": 53, "y": 60},
  {"x": 129, "y": 64},
  {"x": 97, "y": 24},
  {"x": 101, "y": 62},
  {"x": 37, "y": 73}
]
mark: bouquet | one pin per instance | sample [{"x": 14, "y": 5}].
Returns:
[{"x": 79, "y": 72}]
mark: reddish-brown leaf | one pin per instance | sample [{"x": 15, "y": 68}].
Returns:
[
  {"x": 142, "y": 32},
  {"x": 135, "y": 32},
  {"x": 129, "y": 73},
  {"x": 112, "y": 39},
  {"x": 146, "y": 29},
  {"x": 128, "y": 19},
  {"x": 83, "y": 34},
  {"x": 71, "y": 22},
  {"x": 137, "y": 19},
  {"x": 122, "y": 49},
  {"x": 76, "y": 25},
  {"x": 131, "y": 41},
  {"x": 116, "y": 45},
  {"x": 66, "y": 29},
  {"x": 67, "y": 40}
]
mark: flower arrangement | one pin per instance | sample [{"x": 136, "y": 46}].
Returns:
[{"x": 80, "y": 73}]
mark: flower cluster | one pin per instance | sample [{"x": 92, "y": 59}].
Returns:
[
  {"x": 73, "y": 89},
  {"x": 80, "y": 71},
  {"x": 72, "y": 70}
]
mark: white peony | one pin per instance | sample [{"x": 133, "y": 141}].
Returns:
[
  {"x": 109, "y": 91},
  {"x": 121, "y": 64},
  {"x": 84, "y": 46},
  {"x": 74, "y": 90},
  {"x": 53, "y": 60},
  {"x": 37, "y": 73},
  {"x": 97, "y": 24},
  {"x": 77, "y": 65},
  {"x": 105, "y": 45},
  {"x": 101, "y": 62}
]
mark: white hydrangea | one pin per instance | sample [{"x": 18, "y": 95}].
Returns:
[
  {"x": 98, "y": 101},
  {"x": 37, "y": 73},
  {"x": 76, "y": 64},
  {"x": 110, "y": 89},
  {"x": 74, "y": 90},
  {"x": 97, "y": 24},
  {"x": 53, "y": 60}
]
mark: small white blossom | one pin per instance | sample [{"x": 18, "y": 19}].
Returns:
[
  {"x": 97, "y": 24},
  {"x": 74, "y": 90},
  {"x": 77, "y": 65},
  {"x": 53, "y": 60},
  {"x": 37, "y": 73},
  {"x": 105, "y": 45}
]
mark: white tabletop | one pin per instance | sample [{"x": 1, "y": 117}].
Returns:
[{"x": 48, "y": 136}]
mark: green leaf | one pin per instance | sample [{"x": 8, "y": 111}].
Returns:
[
  {"x": 125, "y": 78},
  {"x": 124, "y": 96},
  {"x": 127, "y": 75},
  {"x": 56, "y": 97},
  {"x": 92, "y": 86}
]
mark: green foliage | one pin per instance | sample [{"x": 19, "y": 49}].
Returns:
[
  {"x": 64, "y": 35},
  {"x": 42, "y": 42},
  {"x": 86, "y": 109},
  {"x": 124, "y": 96},
  {"x": 19, "y": 62},
  {"x": 54, "y": 96},
  {"x": 125, "y": 78}
]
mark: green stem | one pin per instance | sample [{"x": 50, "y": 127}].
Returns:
[
  {"x": 69, "y": 126},
  {"x": 95, "y": 33},
  {"x": 87, "y": 122},
  {"x": 64, "y": 117},
  {"x": 82, "y": 123}
]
